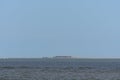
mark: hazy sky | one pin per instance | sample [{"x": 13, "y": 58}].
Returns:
[{"x": 37, "y": 28}]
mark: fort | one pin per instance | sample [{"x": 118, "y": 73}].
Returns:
[{"x": 62, "y": 57}]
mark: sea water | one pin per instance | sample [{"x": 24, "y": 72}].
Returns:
[{"x": 59, "y": 69}]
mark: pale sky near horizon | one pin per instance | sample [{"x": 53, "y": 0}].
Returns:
[{"x": 82, "y": 28}]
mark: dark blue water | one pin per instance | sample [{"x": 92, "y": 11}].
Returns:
[
  {"x": 61, "y": 63},
  {"x": 59, "y": 69}
]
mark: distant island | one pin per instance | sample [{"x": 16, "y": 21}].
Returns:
[{"x": 60, "y": 57}]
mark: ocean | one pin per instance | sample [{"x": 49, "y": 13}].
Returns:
[{"x": 59, "y": 69}]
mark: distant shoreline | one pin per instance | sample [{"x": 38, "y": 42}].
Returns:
[{"x": 59, "y": 58}]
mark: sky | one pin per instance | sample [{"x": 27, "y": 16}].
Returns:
[{"x": 40, "y": 28}]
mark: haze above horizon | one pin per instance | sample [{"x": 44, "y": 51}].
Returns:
[{"x": 37, "y": 28}]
